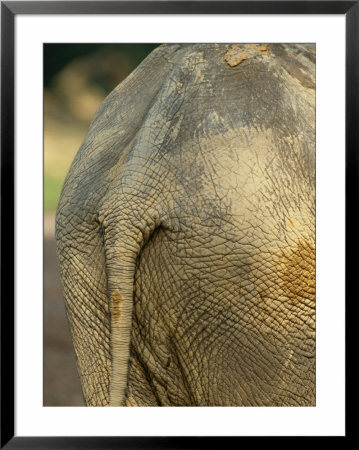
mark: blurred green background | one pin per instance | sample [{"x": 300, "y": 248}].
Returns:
[{"x": 77, "y": 78}]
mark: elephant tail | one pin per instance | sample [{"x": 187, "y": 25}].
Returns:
[{"x": 125, "y": 234}]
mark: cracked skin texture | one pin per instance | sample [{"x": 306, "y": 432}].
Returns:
[{"x": 186, "y": 233}]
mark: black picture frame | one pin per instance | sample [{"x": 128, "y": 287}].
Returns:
[{"x": 9, "y": 9}]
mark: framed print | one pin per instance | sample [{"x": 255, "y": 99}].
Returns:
[{"x": 198, "y": 161}]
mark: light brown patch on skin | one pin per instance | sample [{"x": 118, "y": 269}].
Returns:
[
  {"x": 238, "y": 53},
  {"x": 289, "y": 293},
  {"x": 296, "y": 272},
  {"x": 116, "y": 301}
]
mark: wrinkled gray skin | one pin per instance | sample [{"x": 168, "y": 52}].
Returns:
[{"x": 186, "y": 230}]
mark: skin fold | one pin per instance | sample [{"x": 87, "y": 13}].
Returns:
[{"x": 186, "y": 232}]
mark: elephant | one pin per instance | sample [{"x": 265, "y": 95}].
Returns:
[{"x": 186, "y": 231}]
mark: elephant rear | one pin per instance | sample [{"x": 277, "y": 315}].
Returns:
[{"x": 186, "y": 232}]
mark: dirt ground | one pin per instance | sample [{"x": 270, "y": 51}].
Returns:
[{"x": 61, "y": 381}]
